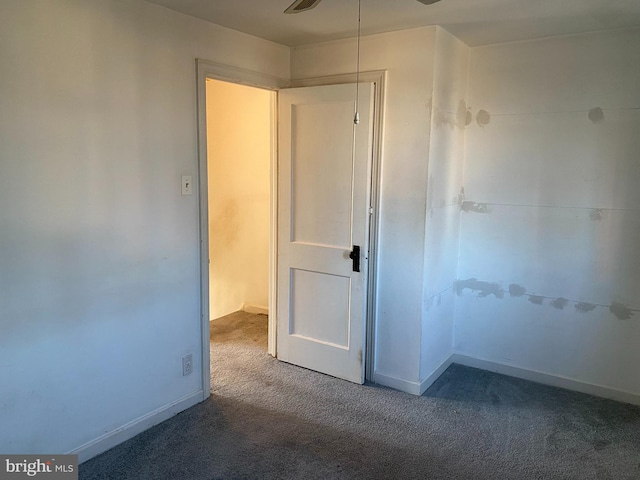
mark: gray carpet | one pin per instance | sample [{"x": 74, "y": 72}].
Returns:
[{"x": 270, "y": 420}]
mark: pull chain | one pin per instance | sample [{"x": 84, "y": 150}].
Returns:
[{"x": 356, "y": 117}]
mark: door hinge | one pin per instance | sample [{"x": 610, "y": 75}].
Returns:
[{"x": 370, "y": 210}]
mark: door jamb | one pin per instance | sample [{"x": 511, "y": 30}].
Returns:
[
  {"x": 204, "y": 70},
  {"x": 377, "y": 77}
]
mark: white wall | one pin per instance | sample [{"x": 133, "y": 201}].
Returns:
[
  {"x": 408, "y": 57},
  {"x": 446, "y": 158},
  {"x": 561, "y": 218},
  {"x": 239, "y": 156},
  {"x": 99, "y": 253}
]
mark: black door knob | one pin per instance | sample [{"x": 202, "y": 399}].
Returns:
[{"x": 355, "y": 256}]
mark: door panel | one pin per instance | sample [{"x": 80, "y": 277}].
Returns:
[
  {"x": 323, "y": 210},
  {"x": 322, "y": 214},
  {"x": 314, "y": 319}
]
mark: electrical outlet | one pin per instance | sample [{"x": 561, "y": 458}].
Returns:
[{"x": 187, "y": 365}]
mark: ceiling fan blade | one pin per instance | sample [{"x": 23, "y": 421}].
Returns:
[{"x": 302, "y": 6}]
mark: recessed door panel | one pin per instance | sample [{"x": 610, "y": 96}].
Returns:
[
  {"x": 321, "y": 177},
  {"x": 311, "y": 316}
]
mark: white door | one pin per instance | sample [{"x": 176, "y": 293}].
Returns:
[{"x": 323, "y": 212}]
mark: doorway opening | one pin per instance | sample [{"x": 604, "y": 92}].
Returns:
[
  {"x": 239, "y": 149},
  {"x": 276, "y": 87}
]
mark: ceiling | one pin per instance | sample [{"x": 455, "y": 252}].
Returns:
[{"x": 476, "y": 22}]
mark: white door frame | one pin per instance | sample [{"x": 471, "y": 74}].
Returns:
[{"x": 206, "y": 69}]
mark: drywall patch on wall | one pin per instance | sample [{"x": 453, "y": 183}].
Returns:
[
  {"x": 621, "y": 311},
  {"x": 464, "y": 117},
  {"x": 596, "y": 214},
  {"x": 536, "y": 299},
  {"x": 437, "y": 118},
  {"x": 596, "y": 115},
  {"x": 483, "y": 118},
  {"x": 461, "y": 118},
  {"x": 428, "y": 303},
  {"x": 484, "y": 289},
  {"x": 517, "y": 290},
  {"x": 560, "y": 303},
  {"x": 584, "y": 307},
  {"x": 469, "y": 206},
  {"x": 460, "y": 198}
]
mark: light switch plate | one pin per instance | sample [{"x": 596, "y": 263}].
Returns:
[{"x": 187, "y": 187}]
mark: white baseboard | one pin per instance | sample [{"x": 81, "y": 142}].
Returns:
[
  {"x": 256, "y": 309},
  {"x": 409, "y": 386},
  {"x": 427, "y": 382},
  {"x": 416, "y": 388},
  {"x": 396, "y": 383},
  {"x": 547, "y": 379},
  {"x": 133, "y": 428}
]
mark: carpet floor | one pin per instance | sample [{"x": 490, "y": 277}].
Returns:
[{"x": 271, "y": 420}]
